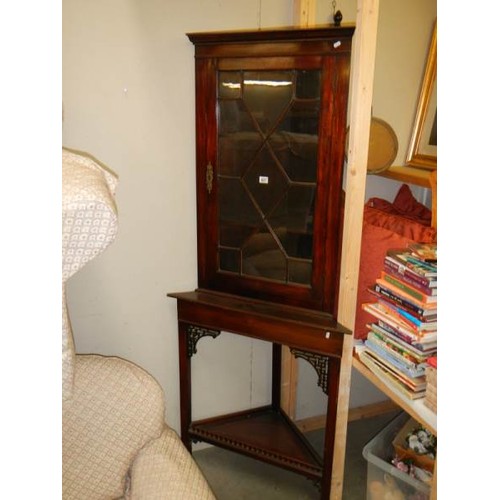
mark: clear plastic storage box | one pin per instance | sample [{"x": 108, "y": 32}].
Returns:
[{"x": 383, "y": 479}]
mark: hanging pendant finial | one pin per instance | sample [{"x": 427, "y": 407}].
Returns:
[
  {"x": 337, "y": 18},
  {"x": 337, "y": 15}
]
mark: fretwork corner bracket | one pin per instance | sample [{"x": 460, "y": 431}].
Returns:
[
  {"x": 319, "y": 363},
  {"x": 195, "y": 333}
]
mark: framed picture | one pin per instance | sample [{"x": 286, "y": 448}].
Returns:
[{"x": 422, "y": 151}]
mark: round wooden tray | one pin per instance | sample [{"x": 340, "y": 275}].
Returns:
[{"x": 383, "y": 146}]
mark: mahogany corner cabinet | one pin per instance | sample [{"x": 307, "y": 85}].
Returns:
[{"x": 271, "y": 109}]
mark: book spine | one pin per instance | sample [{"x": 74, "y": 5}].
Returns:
[
  {"x": 424, "y": 251},
  {"x": 407, "y": 337},
  {"x": 401, "y": 361},
  {"x": 414, "y": 265},
  {"x": 397, "y": 299},
  {"x": 422, "y": 263},
  {"x": 396, "y": 364},
  {"x": 396, "y": 312},
  {"x": 406, "y": 296},
  {"x": 419, "y": 353},
  {"x": 424, "y": 347},
  {"x": 407, "y": 318},
  {"x": 388, "y": 378},
  {"x": 419, "y": 324},
  {"x": 422, "y": 297},
  {"x": 400, "y": 348},
  {"x": 411, "y": 278},
  {"x": 420, "y": 346},
  {"x": 429, "y": 315},
  {"x": 390, "y": 320}
]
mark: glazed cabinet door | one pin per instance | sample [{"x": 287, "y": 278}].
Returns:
[{"x": 270, "y": 148}]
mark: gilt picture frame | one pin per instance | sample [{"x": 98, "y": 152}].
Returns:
[{"x": 422, "y": 150}]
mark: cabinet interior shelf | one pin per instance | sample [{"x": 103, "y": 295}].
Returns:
[{"x": 264, "y": 433}]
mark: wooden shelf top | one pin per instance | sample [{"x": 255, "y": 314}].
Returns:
[
  {"x": 418, "y": 176},
  {"x": 305, "y": 329},
  {"x": 262, "y": 308},
  {"x": 415, "y": 408}
]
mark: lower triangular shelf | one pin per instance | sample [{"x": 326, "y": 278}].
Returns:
[{"x": 262, "y": 433}]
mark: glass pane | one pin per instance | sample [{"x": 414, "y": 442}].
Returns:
[
  {"x": 295, "y": 141},
  {"x": 300, "y": 271},
  {"x": 295, "y": 212},
  {"x": 292, "y": 221},
  {"x": 267, "y": 94},
  {"x": 301, "y": 118},
  {"x": 267, "y": 143},
  {"x": 308, "y": 84},
  {"x": 265, "y": 181},
  {"x": 234, "y": 235},
  {"x": 236, "y": 154},
  {"x": 263, "y": 257},
  {"x": 229, "y": 84},
  {"x": 234, "y": 117},
  {"x": 238, "y": 139},
  {"x": 235, "y": 205},
  {"x": 229, "y": 260}
]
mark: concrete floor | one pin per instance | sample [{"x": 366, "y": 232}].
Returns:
[{"x": 236, "y": 477}]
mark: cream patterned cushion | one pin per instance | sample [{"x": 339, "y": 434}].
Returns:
[
  {"x": 163, "y": 465},
  {"x": 116, "y": 408},
  {"x": 115, "y": 439},
  {"x": 89, "y": 225}
]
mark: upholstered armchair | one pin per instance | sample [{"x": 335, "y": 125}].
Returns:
[{"x": 115, "y": 441}]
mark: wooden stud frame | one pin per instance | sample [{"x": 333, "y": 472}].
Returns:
[
  {"x": 361, "y": 95},
  {"x": 365, "y": 41},
  {"x": 304, "y": 12}
]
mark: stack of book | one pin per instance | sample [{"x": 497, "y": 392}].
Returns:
[
  {"x": 430, "y": 399},
  {"x": 404, "y": 334}
]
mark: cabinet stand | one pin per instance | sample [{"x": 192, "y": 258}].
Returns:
[{"x": 264, "y": 433}]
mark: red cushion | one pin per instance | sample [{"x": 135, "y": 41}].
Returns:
[
  {"x": 382, "y": 231},
  {"x": 399, "y": 224},
  {"x": 408, "y": 206},
  {"x": 404, "y": 204}
]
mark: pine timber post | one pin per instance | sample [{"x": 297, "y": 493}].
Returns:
[
  {"x": 361, "y": 93},
  {"x": 304, "y": 12},
  {"x": 363, "y": 66}
]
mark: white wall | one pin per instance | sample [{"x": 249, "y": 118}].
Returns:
[{"x": 128, "y": 95}]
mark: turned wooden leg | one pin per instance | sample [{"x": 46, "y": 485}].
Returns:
[
  {"x": 185, "y": 384},
  {"x": 331, "y": 419},
  {"x": 276, "y": 377}
]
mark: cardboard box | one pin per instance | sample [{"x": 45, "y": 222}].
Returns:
[{"x": 404, "y": 453}]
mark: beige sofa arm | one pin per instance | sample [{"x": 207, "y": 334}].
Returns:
[
  {"x": 164, "y": 469},
  {"x": 116, "y": 409}
]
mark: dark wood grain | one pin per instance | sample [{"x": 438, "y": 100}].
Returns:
[
  {"x": 302, "y": 317},
  {"x": 277, "y": 49}
]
